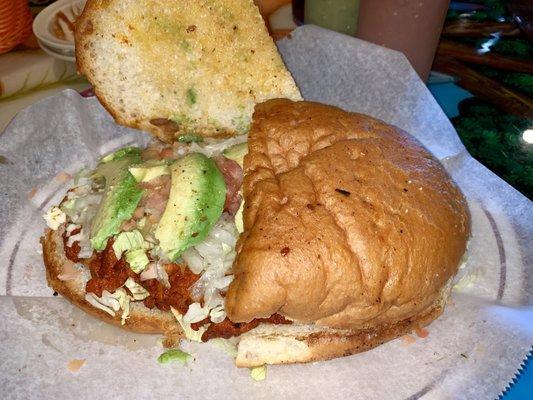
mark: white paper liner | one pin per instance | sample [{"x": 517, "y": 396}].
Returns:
[{"x": 472, "y": 351}]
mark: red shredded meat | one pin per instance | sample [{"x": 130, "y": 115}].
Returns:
[
  {"x": 177, "y": 295},
  {"x": 227, "y": 328},
  {"x": 107, "y": 273},
  {"x": 71, "y": 252}
]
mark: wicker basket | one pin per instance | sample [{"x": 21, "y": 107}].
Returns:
[{"x": 15, "y": 23}]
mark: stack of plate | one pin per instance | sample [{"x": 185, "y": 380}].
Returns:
[{"x": 53, "y": 28}]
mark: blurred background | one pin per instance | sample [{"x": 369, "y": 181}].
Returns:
[{"x": 475, "y": 56}]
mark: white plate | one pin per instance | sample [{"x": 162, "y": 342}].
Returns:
[
  {"x": 65, "y": 55},
  {"x": 42, "y": 25}
]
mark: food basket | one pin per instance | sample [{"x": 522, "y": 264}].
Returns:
[{"x": 15, "y": 23}]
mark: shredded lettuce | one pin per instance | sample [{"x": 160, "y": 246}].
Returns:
[
  {"x": 126, "y": 241},
  {"x": 174, "y": 355},
  {"x": 137, "y": 259},
  {"x": 69, "y": 206},
  {"x": 54, "y": 217},
  {"x": 111, "y": 302},
  {"x": 213, "y": 309},
  {"x": 195, "y": 313},
  {"x": 137, "y": 291},
  {"x": 258, "y": 373},
  {"x": 102, "y": 303},
  {"x": 78, "y": 237},
  {"x": 72, "y": 227},
  {"x": 135, "y": 246},
  {"x": 191, "y": 334},
  {"x": 124, "y": 301},
  {"x": 217, "y": 314}
]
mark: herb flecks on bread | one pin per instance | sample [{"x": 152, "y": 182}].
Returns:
[{"x": 180, "y": 68}]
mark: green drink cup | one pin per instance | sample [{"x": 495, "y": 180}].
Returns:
[{"x": 337, "y": 15}]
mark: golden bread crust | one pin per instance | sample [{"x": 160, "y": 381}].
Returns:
[
  {"x": 349, "y": 222},
  {"x": 303, "y": 344},
  {"x": 188, "y": 67}
]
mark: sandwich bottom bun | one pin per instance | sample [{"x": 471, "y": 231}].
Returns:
[
  {"x": 289, "y": 344},
  {"x": 266, "y": 344},
  {"x": 141, "y": 319}
]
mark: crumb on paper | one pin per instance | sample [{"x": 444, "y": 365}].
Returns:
[
  {"x": 63, "y": 177},
  {"x": 32, "y": 192},
  {"x": 258, "y": 373},
  {"x": 75, "y": 364},
  {"x": 422, "y": 332},
  {"x": 407, "y": 339},
  {"x": 172, "y": 340},
  {"x": 172, "y": 355}
]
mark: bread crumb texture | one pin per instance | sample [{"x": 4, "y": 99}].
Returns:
[{"x": 203, "y": 65}]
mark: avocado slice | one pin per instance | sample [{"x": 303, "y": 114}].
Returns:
[
  {"x": 120, "y": 199},
  {"x": 121, "y": 153},
  {"x": 239, "y": 222},
  {"x": 196, "y": 201},
  {"x": 149, "y": 170},
  {"x": 236, "y": 153}
]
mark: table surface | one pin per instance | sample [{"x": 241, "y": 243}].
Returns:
[{"x": 448, "y": 95}]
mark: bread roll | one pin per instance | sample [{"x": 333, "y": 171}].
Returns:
[{"x": 349, "y": 222}]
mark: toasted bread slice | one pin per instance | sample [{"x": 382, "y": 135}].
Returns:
[
  {"x": 174, "y": 68},
  {"x": 141, "y": 318}
]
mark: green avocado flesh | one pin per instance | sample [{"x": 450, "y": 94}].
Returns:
[
  {"x": 149, "y": 170},
  {"x": 237, "y": 153},
  {"x": 196, "y": 201},
  {"x": 121, "y": 196},
  {"x": 121, "y": 153}
]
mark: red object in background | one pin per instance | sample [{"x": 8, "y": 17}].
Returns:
[
  {"x": 15, "y": 23},
  {"x": 410, "y": 26}
]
